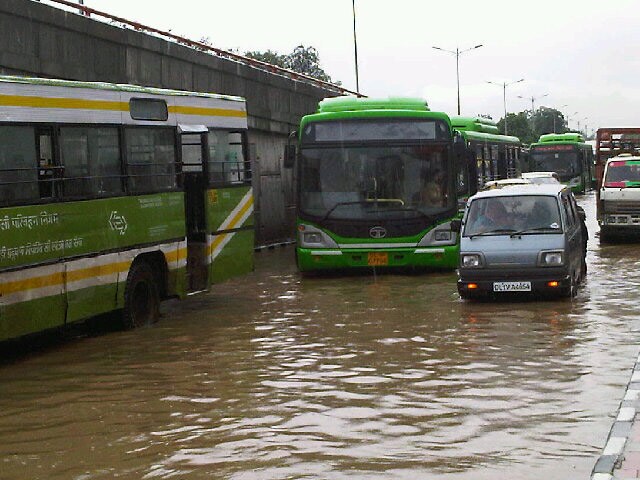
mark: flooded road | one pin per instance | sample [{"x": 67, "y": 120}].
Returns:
[{"x": 276, "y": 376}]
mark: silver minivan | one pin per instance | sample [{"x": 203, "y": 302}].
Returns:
[{"x": 525, "y": 239}]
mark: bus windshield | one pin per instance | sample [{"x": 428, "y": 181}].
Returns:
[
  {"x": 564, "y": 163},
  {"x": 375, "y": 183}
]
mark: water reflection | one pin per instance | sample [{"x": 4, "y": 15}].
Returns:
[{"x": 279, "y": 376}]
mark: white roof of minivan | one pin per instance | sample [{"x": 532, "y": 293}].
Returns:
[{"x": 509, "y": 191}]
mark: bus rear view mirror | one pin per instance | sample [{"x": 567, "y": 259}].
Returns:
[
  {"x": 290, "y": 151},
  {"x": 289, "y": 156},
  {"x": 458, "y": 146}
]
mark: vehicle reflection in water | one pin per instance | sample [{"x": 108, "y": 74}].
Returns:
[{"x": 281, "y": 376}]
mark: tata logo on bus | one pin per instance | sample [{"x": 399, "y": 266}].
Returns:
[
  {"x": 118, "y": 223},
  {"x": 377, "y": 232}
]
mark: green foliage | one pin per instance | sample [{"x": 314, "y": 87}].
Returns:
[
  {"x": 519, "y": 126},
  {"x": 528, "y": 126},
  {"x": 274, "y": 58},
  {"x": 547, "y": 120},
  {"x": 304, "y": 60}
]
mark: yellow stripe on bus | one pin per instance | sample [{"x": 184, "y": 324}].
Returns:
[
  {"x": 60, "y": 278},
  {"x": 234, "y": 221},
  {"x": 207, "y": 112},
  {"x": 97, "y": 271},
  {"x": 175, "y": 255},
  {"x": 70, "y": 103},
  {"x": 83, "y": 104},
  {"x": 50, "y": 280}
]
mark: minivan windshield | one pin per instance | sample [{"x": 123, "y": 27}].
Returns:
[
  {"x": 622, "y": 174},
  {"x": 517, "y": 214}
]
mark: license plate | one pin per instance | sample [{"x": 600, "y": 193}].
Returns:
[
  {"x": 377, "y": 259},
  {"x": 512, "y": 286}
]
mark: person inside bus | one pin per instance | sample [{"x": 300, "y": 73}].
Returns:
[{"x": 433, "y": 192}]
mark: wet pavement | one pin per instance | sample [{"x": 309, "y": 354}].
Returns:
[{"x": 275, "y": 375}]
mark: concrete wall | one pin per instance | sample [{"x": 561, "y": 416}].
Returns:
[{"x": 40, "y": 40}]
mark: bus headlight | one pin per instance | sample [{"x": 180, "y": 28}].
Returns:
[
  {"x": 312, "y": 237},
  {"x": 552, "y": 259},
  {"x": 471, "y": 260},
  {"x": 442, "y": 235}
]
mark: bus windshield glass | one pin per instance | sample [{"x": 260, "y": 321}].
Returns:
[
  {"x": 375, "y": 183},
  {"x": 564, "y": 162},
  {"x": 383, "y": 130}
]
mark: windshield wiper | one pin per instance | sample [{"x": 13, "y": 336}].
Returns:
[
  {"x": 409, "y": 209},
  {"x": 340, "y": 204},
  {"x": 493, "y": 232},
  {"x": 535, "y": 229}
]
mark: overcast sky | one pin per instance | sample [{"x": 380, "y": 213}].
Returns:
[{"x": 582, "y": 54}]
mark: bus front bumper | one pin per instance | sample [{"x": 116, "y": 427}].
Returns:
[{"x": 445, "y": 258}]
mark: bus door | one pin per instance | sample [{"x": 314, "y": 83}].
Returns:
[{"x": 193, "y": 140}]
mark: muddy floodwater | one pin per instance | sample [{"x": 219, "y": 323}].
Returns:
[{"x": 279, "y": 376}]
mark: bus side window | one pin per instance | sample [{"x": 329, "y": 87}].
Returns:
[
  {"x": 151, "y": 159},
  {"x": 47, "y": 170},
  {"x": 227, "y": 162},
  {"x": 18, "y": 166},
  {"x": 91, "y": 159}
]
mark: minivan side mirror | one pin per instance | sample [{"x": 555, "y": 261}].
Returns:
[
  {"x": 456, "y": 225},
  {"x": 581, "y": 214}
]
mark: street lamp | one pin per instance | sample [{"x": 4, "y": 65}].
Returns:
[
  {"x": 355, "y": 44},
  {"x": 533, "y": 99},
  {"x": 457, "y": 53},
  {"x": 585, "y": 126},
  {"x": 504, "y": 86},
  {"x": 554, "y": 117},
  {"x": 573, "y": 115}
]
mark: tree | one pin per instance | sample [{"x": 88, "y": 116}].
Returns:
[
  {"x": 273, "y": 58},
  {"x": 519, "y": 126},
  {"x": 304, "y": 60},
  {"x": 547, "y": 120}
]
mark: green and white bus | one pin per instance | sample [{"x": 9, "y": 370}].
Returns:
[
  {"x": 495, "y": 156},
  {"x": 113, "y": 197},
  {"x": 568, "y": 155},
  {"x": 376, "y": 186}
]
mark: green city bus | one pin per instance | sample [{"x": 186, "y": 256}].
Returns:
[
  {"x": 495, "y": 156},
  {"x": 113, "y": 197},
  {"x": 568, "y": 155},
  {"x": 376, "y": 186}
]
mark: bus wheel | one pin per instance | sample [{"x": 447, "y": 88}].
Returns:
[{"x": 141, "y": 297}]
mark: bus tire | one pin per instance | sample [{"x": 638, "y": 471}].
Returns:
[{"x": 141, "y": 297}]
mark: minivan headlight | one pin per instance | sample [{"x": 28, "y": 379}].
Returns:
[
  {"x": 552, "y": 259},
  {"x": 471, "y": 260}
]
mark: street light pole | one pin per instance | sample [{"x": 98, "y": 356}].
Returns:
[
  {"x": 504, "y": 86},
  {"x": 355, "y": 44},
  {"x": 533, "y": 99},
  {"x": 554, "y": 117},
  {"x": 457, "y": 53}
]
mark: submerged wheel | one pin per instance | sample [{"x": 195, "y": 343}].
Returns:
[{"x": 141, "y": 297}]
